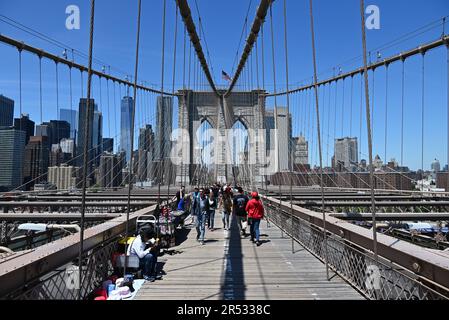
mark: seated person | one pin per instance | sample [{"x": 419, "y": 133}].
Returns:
[{"x": 146, "y": 248}]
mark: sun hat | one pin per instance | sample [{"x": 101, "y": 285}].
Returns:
[{"x": 124, "y": 292}]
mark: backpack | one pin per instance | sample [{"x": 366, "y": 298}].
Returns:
[
  {"x": 240, "y": 202},
  {"x": 227, "y": 204}
]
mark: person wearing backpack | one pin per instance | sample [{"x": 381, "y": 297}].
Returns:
[
  {"x": 239, "y": 207},
  {"x": 226, "y": 208}
]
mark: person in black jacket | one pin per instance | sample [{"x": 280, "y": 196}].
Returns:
[{"x": 239, "y": 209}]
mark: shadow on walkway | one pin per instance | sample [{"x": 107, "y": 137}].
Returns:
[{"x": 233, "y": 282}]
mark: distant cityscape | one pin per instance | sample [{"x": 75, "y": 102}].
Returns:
[{"x": 49, "y": 155}]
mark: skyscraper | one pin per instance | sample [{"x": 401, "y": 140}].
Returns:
[
  {"x": 110, "y": 171},
  {"x": 284, "y": 136},
  {"x": 6, "y": 111},
  {"x": 108, "y": 145},
  {"x": 164, "y": 121},
  {"x": 12, "y": 146},
  {"x": 63, "y": 177},
  {"x": 36, "y": 161},
  {"x": 82, "y": 123},
  {"x": 300, "y": 152},
  {"x": 25, "y": 124},
  {"x": 126, "y": 110},
  {"x": 97, "y": 136},
  {"x": 146, "y": 152},
  {"x": 71, "y": 116},
  {"x": 346, "y": 152},
  {"x": 59, "y": 130},
  {"x": 68, "y": 146}
]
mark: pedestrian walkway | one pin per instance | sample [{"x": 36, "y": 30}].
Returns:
[{"x": 229, "y": 267}]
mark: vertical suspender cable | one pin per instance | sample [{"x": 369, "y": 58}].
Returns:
[
  {"x": 85, "y": 147},
  {"x": 173, "y": 91},
  {"x": 368, "y": 123},
  {"x": 361, "y": 117},
  {"x": 130, "y": 182},
  {"x": 276, "y": 147},
  {"x": 41, "y": 168},
  {"x": 447, "y": 45},
  {"x": 402, "y": 111},
  {"x": 264, "y": 99},
  {"x": 343, "y": 110},
  {"x": 115, "y": 110},
  {"x": 423, "y": 84},
  {"x": 162, "y": 99},
  {"x": 40, "y": 88},
  {"x": 109, "y": 108},
  {"x": 386, "y": 112},
  {"x": 71, "y": 104},
  {"x": 319, "y": 136},
  {"x": 20, "y": 87},
  {"x": 289, "y": 142},
  {"x": 57, "y": 102},
  {"x": 350, "y": 106}
]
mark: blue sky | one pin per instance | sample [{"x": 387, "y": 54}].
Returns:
[{"x": 337, "y": 37}]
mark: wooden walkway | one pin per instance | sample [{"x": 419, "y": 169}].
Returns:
[{"x": 229, "y": 267}]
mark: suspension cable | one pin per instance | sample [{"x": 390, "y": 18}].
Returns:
[
  {"x": 130, "y": 175},
  {"x": 86, "y": 135},
  {"x": 289, "y": 142},
  {"x": 423, "y": 97},
  {"x": 20, "y": 87},
  {"x": 402, "y": 111},
  {"x": 57, "y": 102},
  {"x": 386, "y": 111},
  {"x": 40, "y": 87},
  {"x": 173, "y": 91},
  {"x": 351, "y": 105},
  {"x": 368, "y": 116}
]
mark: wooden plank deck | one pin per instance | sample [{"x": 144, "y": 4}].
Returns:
[{"x": 229, "y": 267}]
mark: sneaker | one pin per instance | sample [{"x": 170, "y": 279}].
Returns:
[
  {"x": 203, "y": 243},
  {"x": 258, "y": 243},
  {"x": 252, "y": 240},
  {"x": 150, "y": 279},
  {"x": 158, "y": 277}
]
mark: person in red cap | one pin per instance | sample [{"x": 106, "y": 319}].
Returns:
[{"x": 255, "y": 214}]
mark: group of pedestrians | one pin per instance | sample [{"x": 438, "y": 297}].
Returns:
[{"x": 203, "y": 203}]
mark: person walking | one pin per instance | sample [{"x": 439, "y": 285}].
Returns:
[
  {"x": 255, "y": 214},
  {"x": 195, "y": 207},
  {"x": 226, "y": 208},
  {"x": 239, "y": 206},
  {"x": 201, "y": 218},
  {"x": 212, "y": 208}
]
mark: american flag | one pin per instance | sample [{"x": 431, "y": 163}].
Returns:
[{"x": 225, "y": 76}]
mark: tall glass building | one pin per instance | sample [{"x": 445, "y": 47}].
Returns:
[
  {"x": 12, "y": 148},
  {"x": 71, "y": 116},
  {"x": 126, "y": 110},
  {"x": 6, "y": 111}
]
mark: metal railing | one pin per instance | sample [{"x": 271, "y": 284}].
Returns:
[
  {"x": 61, "y": 284},
  {"x": 376, "y": 280}
]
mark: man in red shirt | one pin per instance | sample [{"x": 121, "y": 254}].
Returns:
[{"x": 255, "y": 214}]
